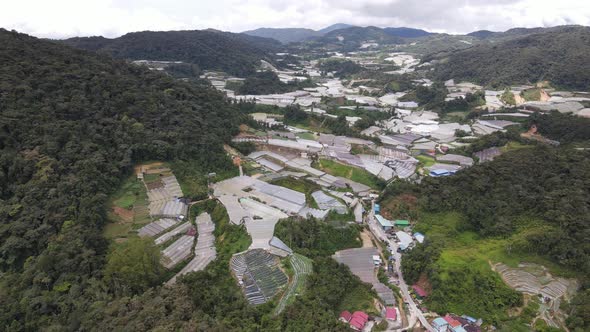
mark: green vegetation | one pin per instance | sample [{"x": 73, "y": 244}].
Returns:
[
  {"x": 192, "y": 177},
  {"x": 339, "y": 67},
  {"x": 350, "y": 172},
  {"x": 531, "y": 94},
  {"x": 530, "y": 205},
  {"x": 566, "y": 128},
  {"x": 559, "y": 55},
  {"x": 426, "y": 161},
  {"x": 237, "y": 54},
  {"x": 309, "y": 136},
  {"x": 301, "y": 268},
  {"x": 507, "y": 97},
  {"x": 133, "y": 266},
  {"x": 313, "y": 238},
  {"x": 579, "y": 310},
  {"x": 127, "y": 209},
  {"x": 362, "y": 149},
  {"x": 267, "y": 82},
  {"x": 72, "y": 126},
  {"x": 301, "y": 185},
  {"x": 130, "y": 192}
]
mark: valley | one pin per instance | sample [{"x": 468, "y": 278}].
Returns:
[{"x": 345, "y": 178}]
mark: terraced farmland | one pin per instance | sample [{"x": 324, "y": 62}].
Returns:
[
  {"x": 259, "y": 275},
  {"x": 302, "y": 268}
]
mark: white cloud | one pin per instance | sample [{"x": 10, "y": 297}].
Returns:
[{"x": 66, "y": 18}]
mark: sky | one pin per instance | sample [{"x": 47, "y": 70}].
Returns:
[{"x": 112, "y": 18}]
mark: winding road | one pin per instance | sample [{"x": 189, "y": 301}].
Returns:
[{"x": 379, "y": 233}]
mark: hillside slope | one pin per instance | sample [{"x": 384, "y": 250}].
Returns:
[
  {"x": 72, "y": 124},
  {"x": 238, "y": 54},
  {"x": 559, "y": 55}
]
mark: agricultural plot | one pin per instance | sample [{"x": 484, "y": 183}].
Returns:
[
  {"x": 183, "y": 228},
  {"x": 177, "y": 251},
  {"x": 259, "y": 275},
  {"x": 157, "y": 227},
  {"x": 128, "y": 209},
  {"x": 302, "y": 268},
  {"x": 354, "y": 174},
  {"x": 205, "y": 251}
]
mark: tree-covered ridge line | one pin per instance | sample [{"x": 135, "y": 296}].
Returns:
[
  {"x": 559, "y": 55},
  {"x": 72, "y": 124},
  {"x": 237, "y": 54}
]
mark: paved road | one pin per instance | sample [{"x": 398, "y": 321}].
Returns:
[{"x": 379, "y": 233}]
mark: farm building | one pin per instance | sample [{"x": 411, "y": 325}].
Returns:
[
  {"x": 358, "y": 213},
  {"x": 279, "y": 248},
  {"x": 390, "y": 313},
  {"x": 454, "y": 325},
  {"x": 419, "y": 237},
  {"x": 405, "y": 240},
  {"x": 385, "y": 293},
  {"x": 456, "y": 159},
  {"x": 402, "y": 223},
  {"x": 327, "y": 202},
  {"x": 357, "y": 320},
  {"x": 385, "y": 224},
  {"x": 345, "y": 316},
  {"x": 420, "y": 292},
  {"x": 439, "y": 324},
  {"x": 440, "y": 172}
]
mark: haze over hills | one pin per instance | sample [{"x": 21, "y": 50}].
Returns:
[
  {"x": 288, "y": 35},
  {"x": 238, "y": 54}
]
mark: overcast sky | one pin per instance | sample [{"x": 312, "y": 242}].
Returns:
[{"x": 67, "y": 18}]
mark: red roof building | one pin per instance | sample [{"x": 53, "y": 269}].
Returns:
[
  {"x": 345, "y": 316},
  {"x": 452, "y": 322},
  {"x": 419, "y": 291},
  {"x": 390, "y": 313},
  {"x": 358, "y": 320}
]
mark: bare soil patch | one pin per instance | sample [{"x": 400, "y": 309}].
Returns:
[{"x": 124, "y": 214}]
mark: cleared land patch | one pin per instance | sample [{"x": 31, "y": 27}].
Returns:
[
  {"x": 302, "y": 268},
  {"x": 349, "y": 172}
]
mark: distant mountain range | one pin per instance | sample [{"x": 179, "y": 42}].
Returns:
[
  {"x": 290, "y": 35},
  {"x": 238, "y": 54}
]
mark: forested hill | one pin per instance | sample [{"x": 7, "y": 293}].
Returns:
[
  {"x": 560, "y": 55},
  {"x": 72, "y": 123},
  {"x": 284, "y": 35},
  {"x": 359, "y": 35},
  {"x": 238, "y": 54}
]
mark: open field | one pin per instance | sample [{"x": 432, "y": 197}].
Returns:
[
  {"x": 349, "y": 172},
  {"x": 127, "y": 209},
  {"x": 426, "y": 161}
]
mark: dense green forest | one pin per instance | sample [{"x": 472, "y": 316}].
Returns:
[
  {"x": 237, "y": 54},
  {"x": 267, "y": 82},
  {"x": 560, "y": 56},
  {"x": 72, "y": 124},
  {"x": 353, "y": 37}
]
